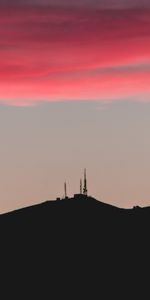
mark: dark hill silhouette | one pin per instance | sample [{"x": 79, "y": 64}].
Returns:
[{"x": 79, "y": 244}]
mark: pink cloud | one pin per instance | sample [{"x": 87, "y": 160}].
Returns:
[{"x": 52, "y": 54}]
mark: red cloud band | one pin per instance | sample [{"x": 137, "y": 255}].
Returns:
[{"x": 51, "y": 53}]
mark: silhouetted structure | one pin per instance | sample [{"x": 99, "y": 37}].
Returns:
[
  {"x": 80, "y": 186},
  {"x": 65, "y": 190},
  {"x": 85, "y": 191}
]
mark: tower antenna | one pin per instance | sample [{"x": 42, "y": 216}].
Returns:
[
  {"x": 65, "y": 189},
  {"x": 85, "y": 191},
  {"x": 80, "y": 186}
]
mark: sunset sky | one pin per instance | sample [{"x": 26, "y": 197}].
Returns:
[{"x": 74, "y": 93}]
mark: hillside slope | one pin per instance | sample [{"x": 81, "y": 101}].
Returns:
[{"x": 53, "y": 241}]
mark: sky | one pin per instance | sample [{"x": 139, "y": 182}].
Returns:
[{"x": 74, "y": 92}]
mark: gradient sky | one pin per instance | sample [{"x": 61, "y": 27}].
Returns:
[{"x": 74, "y": 92}]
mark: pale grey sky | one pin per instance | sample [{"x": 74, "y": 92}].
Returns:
[{"x": 44, "y": 145}]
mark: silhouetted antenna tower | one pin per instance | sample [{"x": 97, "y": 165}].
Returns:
[
  {"x": 65, "y": 189},
  {"x": 80, "y": 186},
  {"x": 85, "y": 191}
]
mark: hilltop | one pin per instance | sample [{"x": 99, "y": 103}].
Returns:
[
  {"x": 76, "y": 213},
  {"x": 76, "y": 241}
]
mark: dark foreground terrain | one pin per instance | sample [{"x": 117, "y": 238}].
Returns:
[{"x": 77, "y": 247}]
